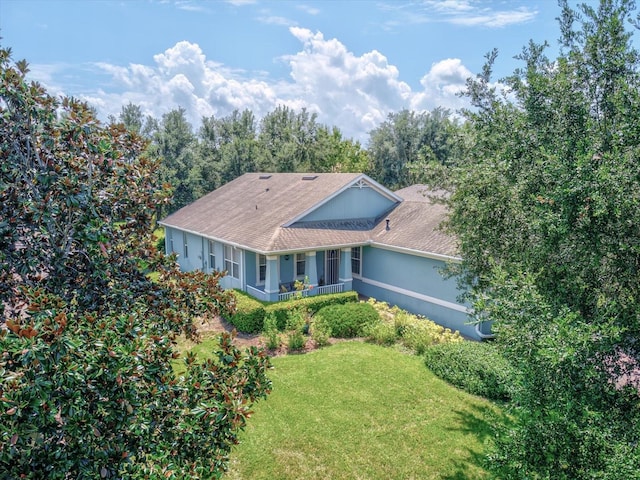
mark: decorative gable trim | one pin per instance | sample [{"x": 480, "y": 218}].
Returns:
[{"x": 361, "y": 181}]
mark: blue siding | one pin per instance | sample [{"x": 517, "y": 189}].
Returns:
[
  {"x": 193, "y": 259},
  {"x": 352, "y": 203},
  {"x": 410, "y": 272},
  {"x": 404, "y": 280},
  {"x": 250, "y": 267}
]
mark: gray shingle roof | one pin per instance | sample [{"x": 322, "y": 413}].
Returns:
[
  {"x": 414, "y": 224},
  {"x": 251, "y": 210}
]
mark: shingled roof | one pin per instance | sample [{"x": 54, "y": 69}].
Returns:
[
  {"x": 415, "y": 224},
  {"x": 252, "y": 211}
]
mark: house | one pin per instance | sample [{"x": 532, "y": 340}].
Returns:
[{"x": 333, "y": 231}]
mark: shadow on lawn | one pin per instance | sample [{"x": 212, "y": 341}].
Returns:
[{"x": 479, "y": 422}]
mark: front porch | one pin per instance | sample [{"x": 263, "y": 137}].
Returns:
[
  {"x": 284, "y": 276},
  {"x": 262, "y": 295}
]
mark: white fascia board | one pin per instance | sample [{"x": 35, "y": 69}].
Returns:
[
  {"x": 417, "y": 253},
  {"x": 215, "y": 239},
  {"x": 379, "y": 188}
]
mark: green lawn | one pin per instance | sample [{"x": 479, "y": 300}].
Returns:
[{"x": 360, "y": 411}]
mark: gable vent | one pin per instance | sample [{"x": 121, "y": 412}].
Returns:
[
  {"x": 265, "y": 177},
  {"x": 310, "y": 177}
]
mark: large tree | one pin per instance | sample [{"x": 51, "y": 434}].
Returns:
[
  {"x": 547, "y": 212},
  {"x": 401, "y": 146},
  {"x": 175, "y": 142},
  {"x": 87, "y": 385}
]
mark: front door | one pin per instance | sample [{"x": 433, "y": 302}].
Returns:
[{"x": 332, "y": 266}]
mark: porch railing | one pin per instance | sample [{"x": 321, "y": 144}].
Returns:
[
  {"x": 259, "y": 294},
  {"x": 335, "y": 288},
  {"x": 295, "y": 293}
]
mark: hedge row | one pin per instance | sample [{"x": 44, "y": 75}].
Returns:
[
  {"x": 250, "y": 312},
  {"x": 476, "y": 367}
]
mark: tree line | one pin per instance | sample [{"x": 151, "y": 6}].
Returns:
[{"x": 195, "y": 162}]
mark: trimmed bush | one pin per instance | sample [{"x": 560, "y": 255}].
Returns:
[
  {"x": 348, "y": 320},
  {"x": 320, "y": 333},
  {"x": 312, "y": 304},
  {"x": 250, "y": 313},
  {"x": 475, "y": 367}
]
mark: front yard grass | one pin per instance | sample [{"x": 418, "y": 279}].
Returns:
[{"x": 361, "y": 411}]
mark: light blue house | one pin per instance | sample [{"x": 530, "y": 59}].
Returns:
[{"x": 337, "y": 231}]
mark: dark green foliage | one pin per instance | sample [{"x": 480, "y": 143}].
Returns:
[
  {"x": 546, "y": 213},
  {"x": 401, "y": 146},
  {"x": 87, "y": 388},
  {"x": 348, "y": 320},
  {"x": 475, "y": 367},
  {"x": 311, "y": 304},
  {"x": 249, "y": 315}
]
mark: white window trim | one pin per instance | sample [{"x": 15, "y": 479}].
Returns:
[
  {"x": 295, "y": 266},
  {"x": 212, "y": 254},
  {"x": 231, "y": 261},
  {"x": 185, "y": 248},
  {"x": 359, "y": 273},
  {"x": 258, "y": 265}
]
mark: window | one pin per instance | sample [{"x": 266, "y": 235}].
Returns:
[
  {"x": 232, "y": 261},
  {"x": 171, "y": 247},
  {"x": 212, "y": 254},
  {"x": 300, "y": 261},
  {"x": 262, "y": 269},
  {"x": 356, "y": 261},
  {"x": 186, "y": 245}
]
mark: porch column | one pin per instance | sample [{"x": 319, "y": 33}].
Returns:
[
  {"x": 271, "y": 282},
  {"x": 311, "y": 268},
  {"x": 345, "y": 268}
]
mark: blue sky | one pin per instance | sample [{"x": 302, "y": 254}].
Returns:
[{"x": 351, "y": 62}]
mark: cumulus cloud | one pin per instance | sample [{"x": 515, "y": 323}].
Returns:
[
  {"x": 442, "y": 85},
  {"x": 353, "y": 92}
]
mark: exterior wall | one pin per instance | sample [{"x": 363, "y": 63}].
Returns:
[
  {"x": 414, "y": 284},
  {"x": 354, "y": 202},
  {"x": 251, "y": 268},
  {"x": 193, "y": 260}
]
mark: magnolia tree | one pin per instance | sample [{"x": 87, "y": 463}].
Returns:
[{"x": 87, "y": 386}]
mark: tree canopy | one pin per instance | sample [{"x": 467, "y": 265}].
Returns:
[
  {"x": 87, "y": 385},
  {"x": 546, "y": 207}
]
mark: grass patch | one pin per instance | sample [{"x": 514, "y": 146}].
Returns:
[{"x": 362, "y": 411}]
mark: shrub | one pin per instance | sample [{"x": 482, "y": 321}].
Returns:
[
  {"x": 475, "y": 367},
  {"x": 296, "y": 322},
  {"x": 311, "y": 304},
  {"x": 413, "y": 331},
  {"x": 250, "y": 313},
  {"x": 418, "y": 334},
  {"x": 349, "y": 320},
  {"x": 382, "y": 333},
  {"x": 320, "y": 332},
  {"x": 271, "y": 331}
]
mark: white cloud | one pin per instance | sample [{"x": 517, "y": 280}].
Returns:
[
  {"x": 353, "y": 92},
  {"x": 457, "y": 12},
  {"x": 442, "y": 85},
  {"x": 308, "y": 9},
  {"x": 276, "y": 20}
]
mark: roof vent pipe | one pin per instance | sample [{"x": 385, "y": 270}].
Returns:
[{"x": 388, "y": 227}]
